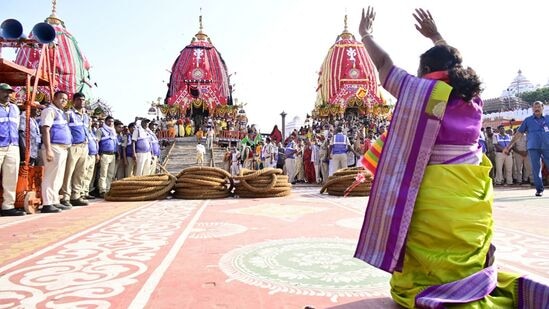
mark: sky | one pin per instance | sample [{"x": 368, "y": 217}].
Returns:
[{"x": 274, "y": 48}]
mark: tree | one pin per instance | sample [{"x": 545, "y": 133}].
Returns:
[{"x": 541, "y": 94}]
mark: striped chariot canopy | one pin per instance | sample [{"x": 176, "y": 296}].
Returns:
[
  {"x": 347, "y": 75},
  {"x": 72, "y": 67},
  {"x": 199, "y": 76}
]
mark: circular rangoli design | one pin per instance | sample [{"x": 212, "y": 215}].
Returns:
[
  {"x": 216, "y": 229},
  {"x": 305, "y": 266}
]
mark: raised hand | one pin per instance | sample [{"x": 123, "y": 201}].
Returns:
[
  {"x": 426, "y": 25},
  {"x": 366, "y": 22}
]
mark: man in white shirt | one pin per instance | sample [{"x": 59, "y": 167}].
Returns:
[
  {"x": 269, "y": 153},
  {"x": 141, "y": 147},
  {"x": 200, "y": 151}
]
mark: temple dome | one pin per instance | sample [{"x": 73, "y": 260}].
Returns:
[
  {"x": 520, "y": 84},
  {"x": 199, "y": 76}
]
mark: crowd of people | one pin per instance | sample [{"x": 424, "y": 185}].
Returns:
[
  {"x": 81, "y": 154},
  {"x": 310, "y": 154}
]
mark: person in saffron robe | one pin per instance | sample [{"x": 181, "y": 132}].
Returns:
[
  {"x": 429, "y": 216},
  {"x": 171, "y": 128}
]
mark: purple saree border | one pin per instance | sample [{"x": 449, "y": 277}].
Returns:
[
  {"x": 412, "y": 135},
  {"x": 464, "y": 158},
  {"x": 466, "y": 290},
  {"x": 532, "y": 294},
  {"x": 406, "y": 188}
]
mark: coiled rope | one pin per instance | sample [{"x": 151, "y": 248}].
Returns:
[
  {"x": 347, "y": 182},
  {"x": 141, "y": 188},
  {"x": 203, "y": 182},
  {"x": 267, "y": 182}
]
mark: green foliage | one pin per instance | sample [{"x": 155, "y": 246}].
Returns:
[{"x": 542, "y": 94}]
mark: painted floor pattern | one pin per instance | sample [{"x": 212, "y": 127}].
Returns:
[{"x": 231, "y": 253}]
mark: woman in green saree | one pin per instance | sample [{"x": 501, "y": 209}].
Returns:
[{"x": 429, "y": 215}]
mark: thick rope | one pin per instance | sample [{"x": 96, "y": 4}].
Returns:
[
  {"x": 346, "y": 182},
  {"x": 141, "y": 188},
  {"x": 203, "y": 182}
]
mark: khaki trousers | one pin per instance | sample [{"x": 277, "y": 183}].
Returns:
[
  {"x": 504, "y": 161},
  {"x": 120, "y": 169},
  {"x": 299, "y": 169},
  {"x": 107, "y": 169},
  {"x": 290, "y": 169},
  {"x": 152, "y": 167},
  {"x": 324, "y": 168},
  {"x": 523, "y": 164},
  {"x": 142, "y": 163},
  {"x": 337, "y": 162},
  {"x": 130, "y": 167},
  {"x": 9, "y": 164},
  {"x": 74, "y": 172},
  {"x": 317, "y": 173},
  {"x": 89, "y": 171},
  {"x": 54, "y": 171}
]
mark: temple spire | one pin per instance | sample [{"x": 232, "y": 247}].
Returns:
[
  {"x": 52, "y": 19},
  {"x": 201, "y": 35},
  {"x": 53, "y": 7},
  {"x": 345, "y": 34}
]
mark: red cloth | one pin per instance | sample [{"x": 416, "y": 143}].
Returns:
[
  {"x": 309, "y": 166},
  {"x": 276, "y": 135}
]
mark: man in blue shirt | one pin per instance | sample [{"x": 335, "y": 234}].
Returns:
[{"x": 537, "y": 127}]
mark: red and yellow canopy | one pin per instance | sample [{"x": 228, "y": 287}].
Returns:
[{"x": 347, "y": 77}]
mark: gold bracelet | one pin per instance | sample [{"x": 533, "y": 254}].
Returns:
[{"x": 440, "y": 42}]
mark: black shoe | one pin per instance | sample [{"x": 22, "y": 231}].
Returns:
[
  {"x": 65, "y": 203},
  {"x": 62, "y": 207},
  {"x": 49, "y": 209},
  {"x": 88, "y": 197},
  {"x": 79, "y": 202},
  {"x": 539, "y": 193},
  {"x": 12, "y": 212}
]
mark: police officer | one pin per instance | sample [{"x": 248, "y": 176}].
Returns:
[
  {"x": 9, "y": 151},
  {"x": 155, "y": 148},
  {"x": 35, "y": 139},
  {"x": 71, "y": 191},
  {"x": 289, "y": 162},
  {"x": 141, "y": 148},
  {"x": 339, "y": 144},
  {"x": 127, "y": 152},
  {"x": 91, "y": 162},
  {"x": 108, "y": 147},
  {"x": 56, "y": 139}
]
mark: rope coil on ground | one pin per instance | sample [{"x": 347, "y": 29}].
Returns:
[
  {"x": 268, "y": 182},
  {"x": 203, "y": 182},
  {"x": 346, "y": 180},
  {"x": 141, "y": 188}
]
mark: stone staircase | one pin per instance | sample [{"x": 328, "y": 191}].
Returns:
[{"x": 183, "y": 155}]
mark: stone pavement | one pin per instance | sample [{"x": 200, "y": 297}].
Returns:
[{"x": 230, "y": 253}]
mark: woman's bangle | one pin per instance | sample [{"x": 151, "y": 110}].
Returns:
[
  {"x": 367, "y": 35},
  {"x": 440, "y": 42}
]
